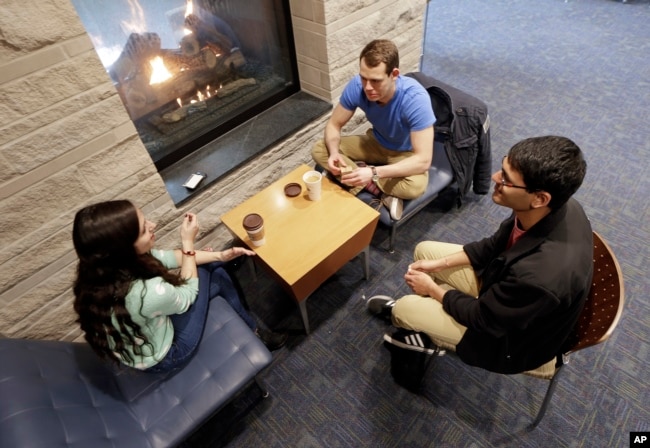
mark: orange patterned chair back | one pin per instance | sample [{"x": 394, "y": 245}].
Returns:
[
  {"x": 597, "y": 321},
  {"x": 604, "y": 304}
]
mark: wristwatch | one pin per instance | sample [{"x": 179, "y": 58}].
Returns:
[{"x": 375, "y": 176}]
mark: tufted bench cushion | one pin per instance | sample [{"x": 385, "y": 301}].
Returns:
[{"x": 60, "y": 394}]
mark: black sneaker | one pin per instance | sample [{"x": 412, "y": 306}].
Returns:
[
  {"x": 381, "y": 306},
  {"x": 410, "y": 356},
  {"x": 271, "y": 339},
  {"x": 412, "y": 340}
]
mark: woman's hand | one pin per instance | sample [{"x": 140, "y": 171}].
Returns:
[
  {"x": 208, "y": 255},
  {"x": 234, "y": 252},
  {"x": 189, "y": 230}
]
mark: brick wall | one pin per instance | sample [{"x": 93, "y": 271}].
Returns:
[{"x": 66, "y": 141}]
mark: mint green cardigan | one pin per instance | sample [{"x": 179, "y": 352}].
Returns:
[{"x": 150, "y": 303}]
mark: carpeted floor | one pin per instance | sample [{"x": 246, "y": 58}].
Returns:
[{"x": 579, "y": 68}]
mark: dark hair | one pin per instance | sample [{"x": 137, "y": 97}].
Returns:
[
  {"x": 550, "y": 163},
  {"x": 104, "y": 235},
  {"x": 378, "y": 51}
]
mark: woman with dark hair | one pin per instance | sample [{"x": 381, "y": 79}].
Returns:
[{"x": 133, "y": 306}]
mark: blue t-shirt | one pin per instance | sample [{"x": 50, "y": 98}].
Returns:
[{"x": 409, "y": 110}]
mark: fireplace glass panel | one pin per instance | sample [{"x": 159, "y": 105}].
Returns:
[{"x": 188, "y": 72}]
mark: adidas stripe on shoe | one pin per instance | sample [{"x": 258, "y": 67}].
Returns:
[{"x": 412, "y": 340}]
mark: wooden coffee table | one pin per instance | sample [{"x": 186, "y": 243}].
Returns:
[{"x": 306, "y": 241}]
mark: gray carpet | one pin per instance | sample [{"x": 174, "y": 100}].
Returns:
[{"x": 580, "y": 69}]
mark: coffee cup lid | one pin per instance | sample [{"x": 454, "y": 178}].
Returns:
[
  {"x": 292, "y": 189},
  {"x": 253, "y": 221}
]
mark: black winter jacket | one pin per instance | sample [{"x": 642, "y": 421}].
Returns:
[
  {"x": 463, "y": 124},
  {"x": 531, "y": 294}
]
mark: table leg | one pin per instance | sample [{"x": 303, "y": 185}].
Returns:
[
  {"x": 251, "y": 266},
  {"x": 366, "y": 262},
  {"x": 303, "y": 313}
]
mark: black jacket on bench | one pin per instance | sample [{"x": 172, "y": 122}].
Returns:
[{"x": 463, "y": 124}]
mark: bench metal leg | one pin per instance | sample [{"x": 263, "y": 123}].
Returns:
[
  {"x": 391, "y": 239},
  {"x": 262, "y": 386}
]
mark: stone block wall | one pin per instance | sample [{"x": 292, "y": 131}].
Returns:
[
  {"x": 66, "y": 141},
  {"x": 330, "y": 34}
]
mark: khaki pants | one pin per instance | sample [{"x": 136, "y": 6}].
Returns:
[
  {"x": 367, "y": 149},
  {"x": 425, "y": 314}
]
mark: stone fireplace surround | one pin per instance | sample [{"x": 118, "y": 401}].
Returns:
[{"x": 66, "y": 141}]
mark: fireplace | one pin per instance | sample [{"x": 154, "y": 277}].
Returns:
[{"x": 190, "y": 72}]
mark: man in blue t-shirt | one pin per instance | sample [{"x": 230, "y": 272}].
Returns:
[{"x": 392, "y": 159}]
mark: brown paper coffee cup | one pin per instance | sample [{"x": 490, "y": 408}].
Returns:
[{"x": 254, "y": 226}]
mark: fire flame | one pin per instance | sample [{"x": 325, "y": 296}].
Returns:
[
  {"x": 189, "y": 9},
  {"x": 160, "y": 72},
  {"x": 200, "y": 96}
]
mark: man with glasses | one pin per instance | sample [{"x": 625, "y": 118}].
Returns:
[{"x": 506, "y": 303}]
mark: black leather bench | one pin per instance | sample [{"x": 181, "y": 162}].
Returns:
[{"x": 57, "y": 393}]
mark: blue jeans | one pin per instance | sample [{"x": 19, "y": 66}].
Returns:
[{"x": 188, "y": 327}]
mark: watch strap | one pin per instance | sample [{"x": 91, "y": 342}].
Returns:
[{"x": 375, "y": 175}]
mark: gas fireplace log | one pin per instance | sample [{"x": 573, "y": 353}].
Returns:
[
  {"x": 182, "y": 112},
  {"x": 188, "y": 109},
  {"x": 209, "y": 58},
  {"x": 234, "y": 86},
  {"x": 235, "y": 60},
  {"x": 142, "y": 46},
  {"x": 218, "y": 50},
  {"x": 207, "y": 34},
  {"x": 190, "y": 45},
  {"x": 231, "y": 59},
  {"x": 221, "y": 45},
  {"x": 177, "y": 62},
  {"x": 143, "y": 98},
  {"x": 139, "y": 49},
  {"x": 179, "y": 87}
]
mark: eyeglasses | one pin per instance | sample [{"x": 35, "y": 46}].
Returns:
[{"x": 503, "y": 182}]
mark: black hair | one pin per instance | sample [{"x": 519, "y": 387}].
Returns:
[
  {"x": 104, "y": 237},
  {"x": 550, "y": 163}
]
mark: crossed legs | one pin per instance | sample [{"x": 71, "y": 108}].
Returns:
[
  {"x": 425, "y": 314},
  {"x": 366, "y": 148}
]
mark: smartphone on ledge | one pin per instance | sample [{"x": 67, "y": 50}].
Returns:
[{"x": 194, "y": 180}]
